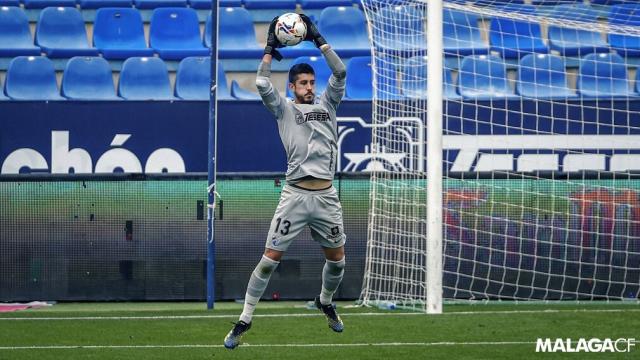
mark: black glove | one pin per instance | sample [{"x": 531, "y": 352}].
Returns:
[
  {"x": 272, "y": 41},
  {"x": 312, "y": 32}
]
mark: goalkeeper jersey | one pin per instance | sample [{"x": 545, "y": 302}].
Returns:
[{"x": 308, "y": 131}]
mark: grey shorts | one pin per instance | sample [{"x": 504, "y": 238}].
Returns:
[{"x": 319, "y": 209}]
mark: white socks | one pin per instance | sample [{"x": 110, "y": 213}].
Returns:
[
  {"x": 257, "y": 284},
  {"x": 331, "y": 278}
]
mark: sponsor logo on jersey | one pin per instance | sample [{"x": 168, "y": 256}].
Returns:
[{"x": 313, "y": 116}]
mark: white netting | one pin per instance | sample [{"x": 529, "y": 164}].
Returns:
[{"x": 541, "y": 151}]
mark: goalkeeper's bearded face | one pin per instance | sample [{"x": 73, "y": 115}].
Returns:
[{"x": 304, "y": 88}]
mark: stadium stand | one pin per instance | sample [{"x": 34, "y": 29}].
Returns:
[
  {"x": 604, "y": 76},
  {"x": 203, "y": 4},
  {"x": 345, "y": 28},
  {"x": 153, "y": 4},
  {"x": 88, "y": 78},
  {"x": 61, "y": 33},
  {"x": 414, "y": 80},
  {"x": 401, "y": 42},
  {"x": 118, "y": 33},
  {"x": 237, "y": 38},
  {"x": 462, "y": 35},
  {"x": 314, "y": 8},
  {"x": 625, "y": 14},
  {"x": 175, "y": 34},
  {"x": 15, "y": 36},
  {"x": 242, "y": 94},
  {"x": 10, "y": 3},
  {"x": 514, "y": 38},
  {"x": 144, "y": 78},
  {"x": 41, "y": 4},
  {"x": 543, "y": 76},
  {"x": 572, "y": 41},
  {"x": 31, "y": 78},
  {"x": 483, "y": 77},
  {"x": 226, "y": 3},
  {"x": 321, "y": 69},
  {"x": 193, "y": 80},
  {"x": 359, "y": 82},
  {"x": 265, "y": 10},
  {"x": 607, "y": 2}
]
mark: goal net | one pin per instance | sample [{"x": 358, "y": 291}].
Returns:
[{"x": 540, "y": 144}]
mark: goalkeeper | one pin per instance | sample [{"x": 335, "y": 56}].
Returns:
[{"x": 307, "y": 127}]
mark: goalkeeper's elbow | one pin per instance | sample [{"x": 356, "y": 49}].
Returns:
[{"x": 340, "y": 73}]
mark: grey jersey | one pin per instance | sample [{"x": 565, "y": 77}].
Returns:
[{"x": 308, "y": 131}]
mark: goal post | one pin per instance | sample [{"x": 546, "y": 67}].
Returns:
[{"x": 506, "y": 136}]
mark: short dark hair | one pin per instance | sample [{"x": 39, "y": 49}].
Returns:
[{"x": 302, "y": 68}]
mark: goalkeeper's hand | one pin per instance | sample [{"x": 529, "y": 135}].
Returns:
[
  {"x": 312, "y": 32},
  {"x": 272, "y": 41}
]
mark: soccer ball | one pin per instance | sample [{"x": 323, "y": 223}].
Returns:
[{"x": 290, "y": 29}]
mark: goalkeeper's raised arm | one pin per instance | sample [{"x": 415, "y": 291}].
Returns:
[{"x": 335, "y": 90}]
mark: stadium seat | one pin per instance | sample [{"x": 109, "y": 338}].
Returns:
[
  {"x": 554, "y": 2},
  {"x": 237, "y": 37},
  {"x": 483, "y": 77},
  {"x": 97, "y": 4},
  {"x": 153, "y": 4},
  {"x": 414, "y": 80},
  {"x": 10, "y": 3},
  {"x": 359, "y": 82},
  {"x": 603, "y": 75},
  {"x": 88, "y": 78},
  {"x": 270, "y": 4},
  {"x": 573, "y": 41},
  {"x": 229, "y": 3},
  {"x": 305, "y": 48},
  {"x": 31, "y": 78},
  {"x": 242, "y": 94},
  {"x": 387, "y": 37},
  {"x": 118, "y": 33},
  {"x": 462, "y": 35},
  {"x": 15, "y": 36},
  {"x": 60, "y": 33},
  {"x": 321, "y": 4},
  {"x": 175, "y": 33},
  {"x": 193, "y": 79},
  {"x": 41, "y": 4},
  {"x": 543, "y": 76},
  {"x": 515, "y": 38},
  {"x": 322, "y": 72},
  {"x": 625, "y": 15},
  {"x": 345, "y": 28},
  {"x": 144, "y": 78},
  {"x": 608, "y": 2},
  {"x": 206, "y": 4}
]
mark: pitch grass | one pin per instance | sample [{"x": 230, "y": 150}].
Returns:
[{"x": 189, "y": 331}]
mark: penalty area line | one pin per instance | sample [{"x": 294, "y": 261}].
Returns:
[{"x": 246, "y": 345}]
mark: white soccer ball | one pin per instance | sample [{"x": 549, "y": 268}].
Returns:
[{"x": 290, "y": 29}]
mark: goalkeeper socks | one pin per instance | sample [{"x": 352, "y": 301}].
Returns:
[
  {"x": 331, "y": 278},
  {"x": 257, "y": 284}
]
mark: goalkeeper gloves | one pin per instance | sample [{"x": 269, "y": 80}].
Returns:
[
  {"x": 312, "y": 32},
  {"x": 272, "y": 41}
]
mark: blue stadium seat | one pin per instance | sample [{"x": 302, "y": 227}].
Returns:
[
  {"x": 305, "y": 48},
  {"x": 637, "y": 85},
  {"x": 205, "y": 4},
  {"x": 270, "y": 4},
  {"x": 97, "y": 4},
  {"x": 608, "y": 2},
  {"x": 237, "y": 37},
  {"x": 15, "y": 36},
  {"x": 31, "y": 78},
  {"x": 229, "y": 3},
  {"x": 118, "y": 33},
  {"x": 60, "y": 33},
  {"x": 345, "y": 28},
  {"x": 175, "y": 33},
  {"x": 144, "y": 78},
  {"x": 41, "y": 4},
  {"x": 554, "y": 2},
  {"x": 88, "y": 78},
  {"x": 628, "y": 15},
  {"x": 389, "y": 38},
  {"x": 10, "y": 3},
  {"x": 543, "y": 76},
  {"x": 515, "y": 38},
  {"x": 153, "y": 4},
  {"x": 483, "y": 77},
  {"x": 242, "y": 94},
  {"x": 194, "y": 78},
  {"x": 603, "y": 75},
  {"x": 322, "y": 72},
  {"x": 414, "y": 80},
  {"x": 496, "y": 2},
  {"x": 573, "y": 41},
  {"x": 321, "y": 4},
  {"x": 359, "y": 82},
  {"x": 462, "y": 35}
]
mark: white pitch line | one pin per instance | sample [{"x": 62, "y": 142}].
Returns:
[
  {"x": 245, "y": 345},
  {"x": 232, "y": 316}
]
